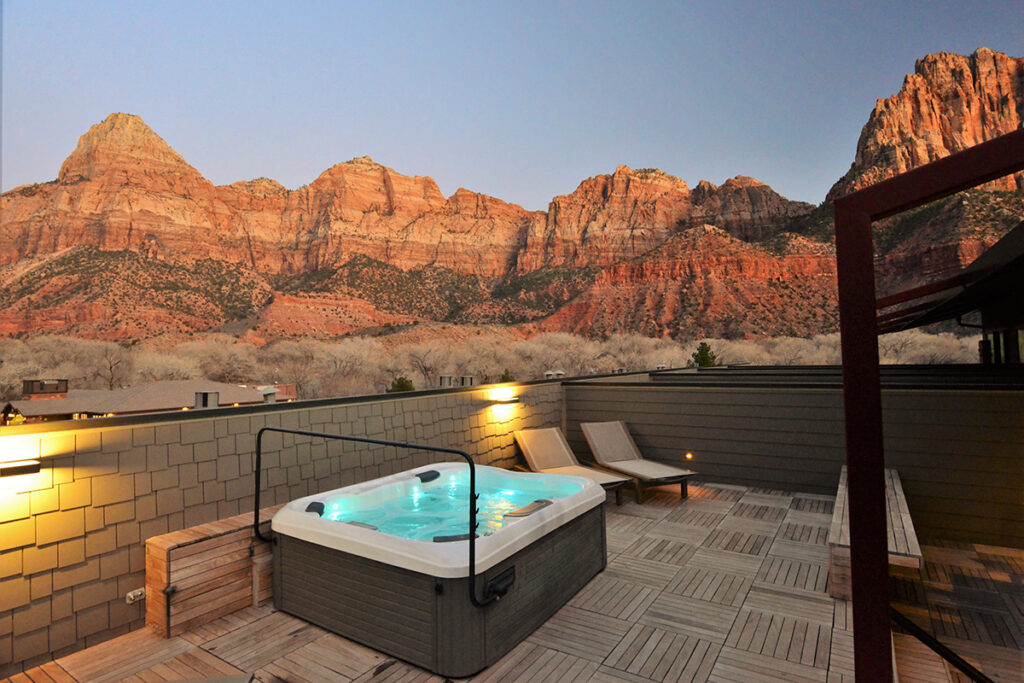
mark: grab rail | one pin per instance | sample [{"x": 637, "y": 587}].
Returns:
[{"x": 488, "y": 599}]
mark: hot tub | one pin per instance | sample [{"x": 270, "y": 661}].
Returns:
[{"x": 385, "y": 562}]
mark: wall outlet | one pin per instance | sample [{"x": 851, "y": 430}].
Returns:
[{"x": 135, "y": 595}]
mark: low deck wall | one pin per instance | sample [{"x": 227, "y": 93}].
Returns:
[
  {"x": 72, "y": 537},
  {"x": 959, "y": 452}
]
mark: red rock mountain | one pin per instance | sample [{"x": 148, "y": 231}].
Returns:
[
  {"x": 131, "y": 242},
  {"x": 948, "y": 104}
]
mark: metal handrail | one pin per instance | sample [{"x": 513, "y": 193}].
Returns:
[
  {"x": 488, "y": 599},
  {"x": 939, "y": 648}
]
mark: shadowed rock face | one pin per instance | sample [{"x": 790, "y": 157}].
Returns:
[
  {"x": 131, "y": 242},
  {"x": 949, "y": 103}
]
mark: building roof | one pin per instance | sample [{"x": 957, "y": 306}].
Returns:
[{"x": 145, "y": 398}]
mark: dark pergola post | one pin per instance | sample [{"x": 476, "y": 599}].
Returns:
[
  {"x": 862, "y": 395},
  {"x": 865, "y": 461}
]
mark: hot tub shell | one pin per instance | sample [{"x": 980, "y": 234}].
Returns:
[{"x": 425, "y": 616}]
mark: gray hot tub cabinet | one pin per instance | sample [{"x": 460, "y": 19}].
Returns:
[{"x": 429, "y": 621}]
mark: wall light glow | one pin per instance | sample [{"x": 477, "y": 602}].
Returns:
[{"x": 503, "y": 402}]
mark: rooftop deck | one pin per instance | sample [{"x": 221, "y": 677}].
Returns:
[{"x": 727, "y": 585}]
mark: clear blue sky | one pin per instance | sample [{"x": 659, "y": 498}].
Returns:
[{"x": 520, "y": 100}]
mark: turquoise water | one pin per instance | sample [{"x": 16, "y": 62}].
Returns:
[{"x": 442, "y": 509}]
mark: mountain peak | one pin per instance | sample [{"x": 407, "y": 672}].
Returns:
[
  {"x": 121, "y": 143},
  {"x": 950, "y": 103}
]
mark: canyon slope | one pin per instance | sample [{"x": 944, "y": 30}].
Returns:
[{"x": 130, "y": 242}]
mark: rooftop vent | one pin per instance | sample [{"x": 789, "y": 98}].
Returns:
[
  {"x": 207, "y": 399},
  {"x": 39, "y": 389}
]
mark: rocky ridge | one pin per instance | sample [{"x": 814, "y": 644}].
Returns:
[{"x": 131, "y": 242}]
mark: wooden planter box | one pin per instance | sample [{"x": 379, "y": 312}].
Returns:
[{"x": 199, "y": 574}]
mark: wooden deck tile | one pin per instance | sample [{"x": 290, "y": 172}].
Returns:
[
  {"x": 581, "y": 633},
  {"x": 916, "y": 663},
  {"x": 724, "y": 492},
  {"x": 394, "y": 671},
  {"x": 782, "y": 637},
  {"x": 782, "y": 571},
  {"x": 813, "y": 534},
  {"x": 676, "y": 531},
  {"x": 644, "y": 511},
  {"x": 641, "y": 572},
  {"x": 614, "y": 598},
  {"x": 623, "y": 530},
  {"x": 823, "y": 505},
  {"x": 262, "y": 641},
  {"x": 192, "y": 664},
  {"x": 738, "y": 542},
  {"x": 841, "y": 653},
  {"x": 738, "y": 666},
  {"x": 690, "y": 617},
  {"x": 1001, "y": 664},
  {"x": 660, "y": 655},
  {"x": 759, "y": 511},
  {"x": 51, "y": 672},
  {"x": 780, "y": 500},
  {"x": 808, "y": 552},
  {"x": 528, "y": 660},
  {"x": 328, "y": 658},
  {"x": 816, "y": 607},
  {"x": 719, "y": 506},
  {"x": 660, "y": 549},
  {"x": 607, "y": 674},
  {"x": 725, "y": 561},
  {"x": 711, "y": 586},
  {"x": 695, "y": 516},
  {"x": 122, "y": 657},
  {"x": 226, "y": 624},
  {"x": 748, "y": 525}
]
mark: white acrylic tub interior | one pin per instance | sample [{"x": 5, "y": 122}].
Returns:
[{"x": 569, "y": 496}]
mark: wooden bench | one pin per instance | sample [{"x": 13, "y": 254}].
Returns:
[
  {"x": 199, "y": 574},
  {"x": 904, "y": 550}
]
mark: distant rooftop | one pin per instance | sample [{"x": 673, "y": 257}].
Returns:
[{"x": 145, "y": 398}]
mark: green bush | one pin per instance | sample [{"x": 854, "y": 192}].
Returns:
[{"x": 401, "y": 384}]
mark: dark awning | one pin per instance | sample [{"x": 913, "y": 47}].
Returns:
[{"x": 994, "y": 280}]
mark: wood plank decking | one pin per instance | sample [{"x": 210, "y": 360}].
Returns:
[{"x": 727, "y": 585}]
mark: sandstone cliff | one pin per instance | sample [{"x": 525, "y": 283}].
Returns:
[
  {"x": 131, "y": 242},
  {"x": 609, "y": 218},
  {"x": 124, "y": 188},
  {"x": 706, "y": 282},
  {"x": 949, "y": 103}
]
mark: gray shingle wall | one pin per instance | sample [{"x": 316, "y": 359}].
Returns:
[
  {"x": 959, "y": 453},
  {"x": 72, "y": 538}
]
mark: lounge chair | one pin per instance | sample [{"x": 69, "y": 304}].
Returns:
[
  {"x": 546, "y": 450},
  {"x": 614, "y": 449}
]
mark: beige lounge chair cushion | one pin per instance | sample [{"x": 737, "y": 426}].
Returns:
[
  {"x": 649, "y": 470},
  {"x": 610, "y": 442},
  {"x": 614, "y": 448},
  {"x": 545, "y": 448},
  {"x": 597, "y": 476}
]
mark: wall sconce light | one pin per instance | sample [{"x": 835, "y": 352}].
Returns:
[
  {"x": 689, "y": 456},
  {"x": 505, "y": 401},
  {"x": 16, "y": 467}
]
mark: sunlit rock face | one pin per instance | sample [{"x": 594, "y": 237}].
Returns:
[
  {"x": 131, "y": 242},
  {"x": 949, "y": 103}
]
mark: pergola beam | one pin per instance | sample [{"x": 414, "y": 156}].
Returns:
[{"x": 862, "y": 393}]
